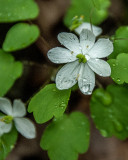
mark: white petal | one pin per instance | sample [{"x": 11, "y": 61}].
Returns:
[
  {"x": 87, "y": 39},
  {"x": 70, "y": 41},
  {"x": 25, "y": 127},
  {"x": 96, "y": 30},
  {"x": 19, "y": 109},
  {"x": 5, "y": 128},
  {"x": 68, "y": 75},
  {"x": 102, "y": 48},
  {"x": 100, "y": 67},
  {"x": 61, "y": 55},
  {"x": 86, "y": 79},
  {"x": 5, "y": 106}
]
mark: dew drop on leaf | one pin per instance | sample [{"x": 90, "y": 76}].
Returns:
[
  {"x": 104, "y": 133},
  {"x": 118, "y": 126},
  {"x": 118, "y": 80}
]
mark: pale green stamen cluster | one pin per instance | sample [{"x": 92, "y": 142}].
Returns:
[
  {"x": 6, "y": 119},
  {"x": 82, "y": 58},
  {"x": 76, "y": 22}
]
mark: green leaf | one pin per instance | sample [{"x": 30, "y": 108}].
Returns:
[
  {"x": 111, "y": 118},
  {"x": 10, "y": 70},
  {"x": 49, "y": 102},
  {"x": 20, "y": 36},
  {"x": 120, "y": 42},
  {"x": 119, "y": 68},
  {"x": 17, "y": 10},
  {"x": 97, "y": 9},
  {"x": 7, "y": 142},
  {"x": 66, "y": 137}
]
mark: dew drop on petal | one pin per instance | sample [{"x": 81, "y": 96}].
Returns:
[
  {"x": 84, "y": 80},
  {"x": 87, "y": 57},
  {"x": 85, "y": 88}
]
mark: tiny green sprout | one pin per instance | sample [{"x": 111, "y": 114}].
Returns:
[
  {"x": 81, "y": 58},
  {"x": 76, "y": 22},
  {"x": 6, "y": 119}
]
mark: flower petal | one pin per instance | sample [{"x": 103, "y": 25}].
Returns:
[
  {"x": 100, "y": 67},
  {"x": 87, "y": 39},
  {"x": 102, "y": 48},
  {"x": 86, "y": 79},
  {"x": 5, "y": 106},
  {"x": 96, "y": 30},
  {"x": 19, "y": 109},
  {"x": 25, "y": 127},
  {"x": 70, "y": 41},
  {"x": 68, "y": 75},
  {"x": 5, "y": 127},
  {"x": 61, "y": 55}
]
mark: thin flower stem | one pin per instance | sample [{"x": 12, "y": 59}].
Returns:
[
  {"x": 44, "y": 42},
  {"x": 99, "y": 84}
]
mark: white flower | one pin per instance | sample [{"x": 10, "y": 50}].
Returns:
[
  {"x": 16, "y": 114},
  {"x": 83, "y": 60},
  {"x": 96, "y": 30}
]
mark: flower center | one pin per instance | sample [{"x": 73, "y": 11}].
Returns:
[
  {"x": 6, "y": 119},
  {"x": 76, "y": 22},
  {"x": 82, "y": 58}
]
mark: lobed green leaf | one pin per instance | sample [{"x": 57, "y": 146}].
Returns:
[
  {"x": 17, "y": 10},
  {"x": 64, "y": 138},
  {"x": 120, "y": 42},
  {"x": 49, "y": 102},
  {"x": 20, "y": 36},
  {"x": 119, "y": 68},
  {"x": 10, "y": 70},
  {"x": 7, "y": 142},
  {"x": 110, "y": 114}
]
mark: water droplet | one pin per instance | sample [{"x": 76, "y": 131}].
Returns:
[
  {"x": 89, "y": 92},
  {"x": 110, "y": 116},
  {"x": 87, "y": 57},
  {"x": 56, "y": 106},
  {"x": 119, "y": 127},
  {"x": 62, "y": 128},
  {"x": 110, "y": 111},
  {"x": 85, "y": 88},
  {"x": 9, "y": 14},
  {"x": 87, "y": 133},
  {"x": 104, "y": 133},
  {"x": 118, "y": 80},
  {"x": 62, "y": 106},
  {"x": 113, "y": 64},
  {"x": 80, "y": 48},
  {"x": 84, "y": 80},
  {"x": 101, "y": 74},
  {"x": 93, "y": 116},
  {"x": 54, "y": 119},
  {"x": 83, "y": 123},
  {"x": 12, "y": 146}
]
